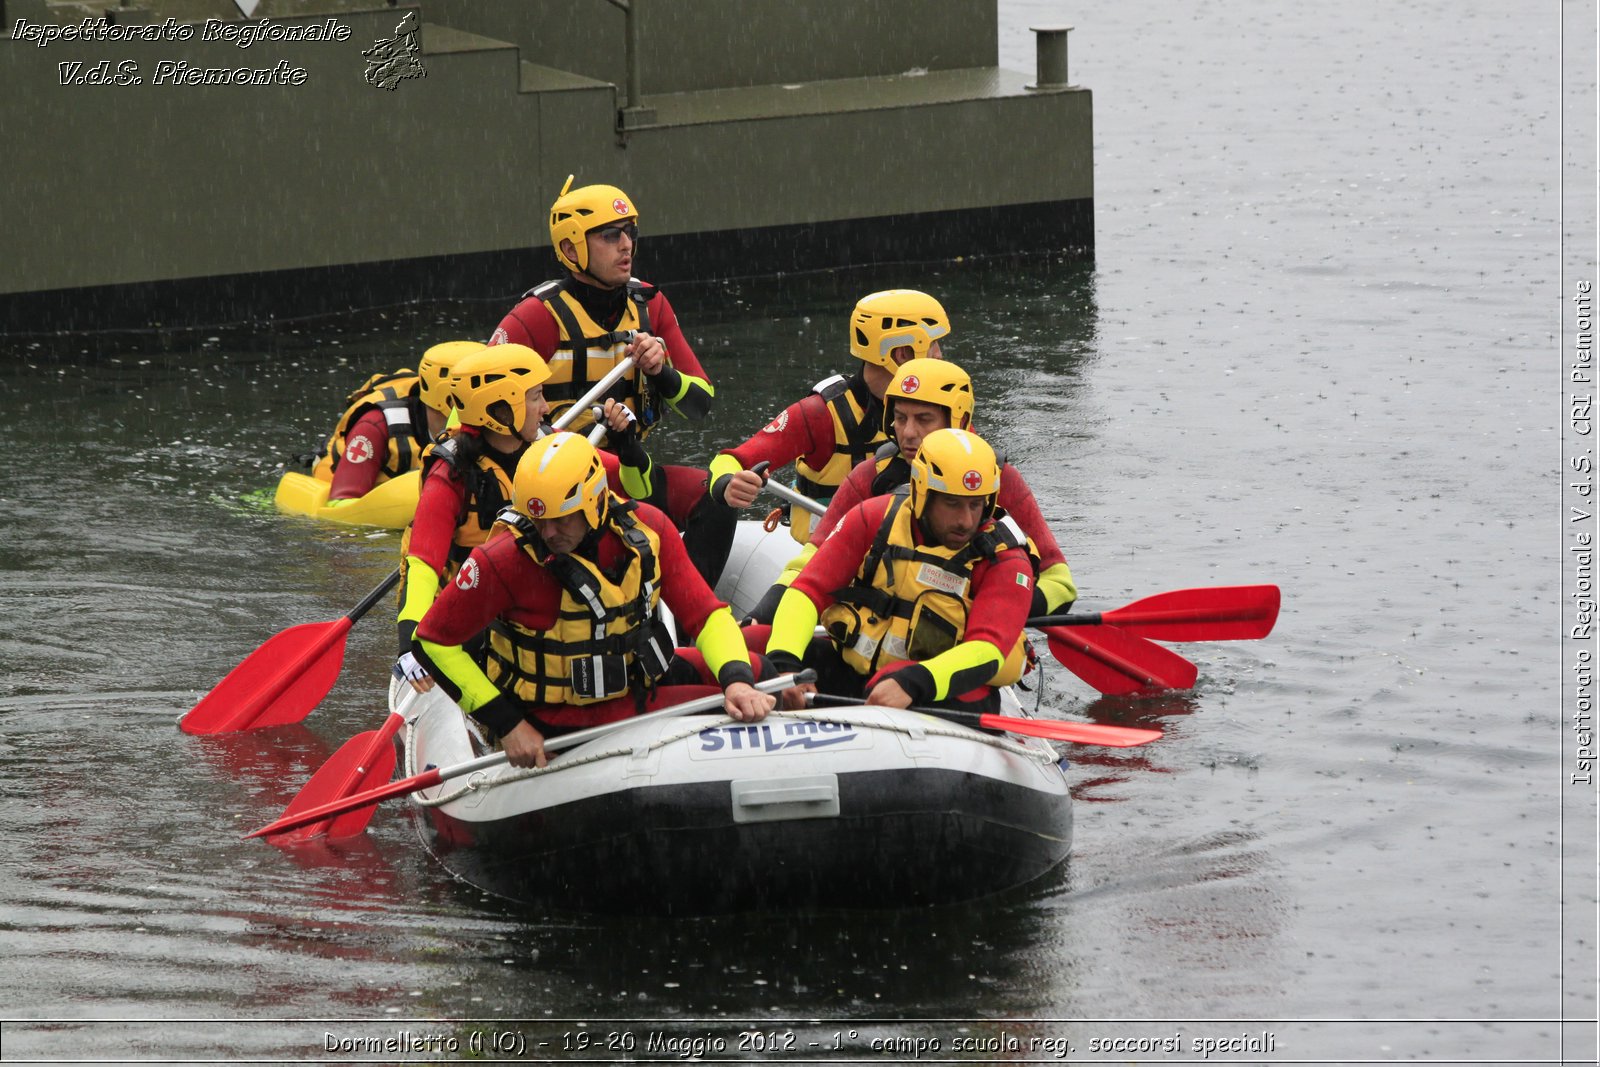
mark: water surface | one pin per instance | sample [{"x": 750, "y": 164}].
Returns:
[{"x": 1316, "y": 348}]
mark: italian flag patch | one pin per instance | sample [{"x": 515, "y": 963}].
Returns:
[{"x": 1022, "y": 580}]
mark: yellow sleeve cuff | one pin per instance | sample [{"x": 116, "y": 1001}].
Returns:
[
  {"x": 721, "y": 641},
  {"x": 637, "y": 481},
  {"x": 967, "y": 666},
  {"x": 793, "y": 624},
  {"x": 421, "y": 590},
  {"x": 1055, "y": 583},
  {"x": 455, "y": 664},
  {"x": 721, "y": 464},
  {"x": 688, "y": 382},
  {"x": 792, "y": 569}
]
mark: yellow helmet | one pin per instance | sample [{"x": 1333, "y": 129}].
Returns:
[
  {"x": 558, "y": 475},
  {"x": 577, "y": 211},
  {"x": 490, "y": 387},
  {"x": 435, "y": 368},
  {"x": 955, "y": 462},
  {"x": 884, "y": 321},
  {"x": 932, "y": 381}
]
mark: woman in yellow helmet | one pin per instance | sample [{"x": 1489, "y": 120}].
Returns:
[{"x": 389, "y": 422}]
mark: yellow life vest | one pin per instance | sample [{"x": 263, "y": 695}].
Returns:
[
  {"x": 910, "y": 601},
  {"x": 607, "y": 640},
  {"x": 588, "y": 351},
  {"x": 393, "y": 392},
  {"x": 857, "y": 431}
]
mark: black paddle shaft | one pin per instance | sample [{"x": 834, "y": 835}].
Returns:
[
  {"x": 1088, "y": 618},
  {"x": 373, "y": 597}
]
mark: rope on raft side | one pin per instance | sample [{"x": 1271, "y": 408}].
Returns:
[{"x": 929, "y": 728}]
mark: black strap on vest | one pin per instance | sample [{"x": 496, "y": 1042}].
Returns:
[
  {"x": 484, "y": 498},
  {"x": 384, "y": 381},
  {"x": 858, "y": 434},
  {"x": 896, "y": 472},
  {"x": 406, "y": 443},
  {"x": 569, "y": 391}
]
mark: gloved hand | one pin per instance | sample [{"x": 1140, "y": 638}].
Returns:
[
  {"x": 410, "y": 668},
  {"x": 622, "y": 435},
  {"x": 619, "y": 419}
]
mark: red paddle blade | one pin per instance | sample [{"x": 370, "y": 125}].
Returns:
[
  {"x": 278, "y": 683},
  {"x": 1220, "y": 613},
  {"x": 364, "y": 762},
  {"x": 1118, "y": 663},
  {"x": 1082, "y": 733}
]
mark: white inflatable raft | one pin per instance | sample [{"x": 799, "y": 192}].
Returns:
[{"x": 839, "y": 807}]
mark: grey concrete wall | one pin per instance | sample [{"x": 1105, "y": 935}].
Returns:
[
  {"x": 110, "y": 184},
  {"x": 119, "y": 183},
  {"x": 855, "y": 164},
  {"x": 690, "y": 45}
]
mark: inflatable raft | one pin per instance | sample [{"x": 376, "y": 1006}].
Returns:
[
  {"x": 843, "y": 807},
  {"x": 390, "y": 504}
]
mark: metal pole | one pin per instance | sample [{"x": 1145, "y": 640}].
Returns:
[
  {"x": 1051, "y": 61},
  {"x": 630, "y": 34},
  {"x": 633, "y": 113}
]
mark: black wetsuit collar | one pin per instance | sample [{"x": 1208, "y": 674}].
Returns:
[{"x": 604, "y": 306}]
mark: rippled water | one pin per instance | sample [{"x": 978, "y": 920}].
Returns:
[{"x": 1317, "y": 348}]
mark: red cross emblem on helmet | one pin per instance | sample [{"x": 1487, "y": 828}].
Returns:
[
  {"x": 536, "y": 507},
  {"x": 972, "y": 479},
  {"x": 909, "y": 384},
  {"x": 620, "y": 206}
]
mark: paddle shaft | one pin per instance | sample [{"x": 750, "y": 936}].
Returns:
[
  {"x": 580, "y": 405},
  {"x": 791, "y": 496},
  {"x": 1083, "y": 733},
  {"x": 438, "y": 775},
  {"x": 373, "y": 597},
  {"x": 1128, "y": 619}
]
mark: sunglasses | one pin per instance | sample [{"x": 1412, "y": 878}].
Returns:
[{"x": 613, "y": 234}]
